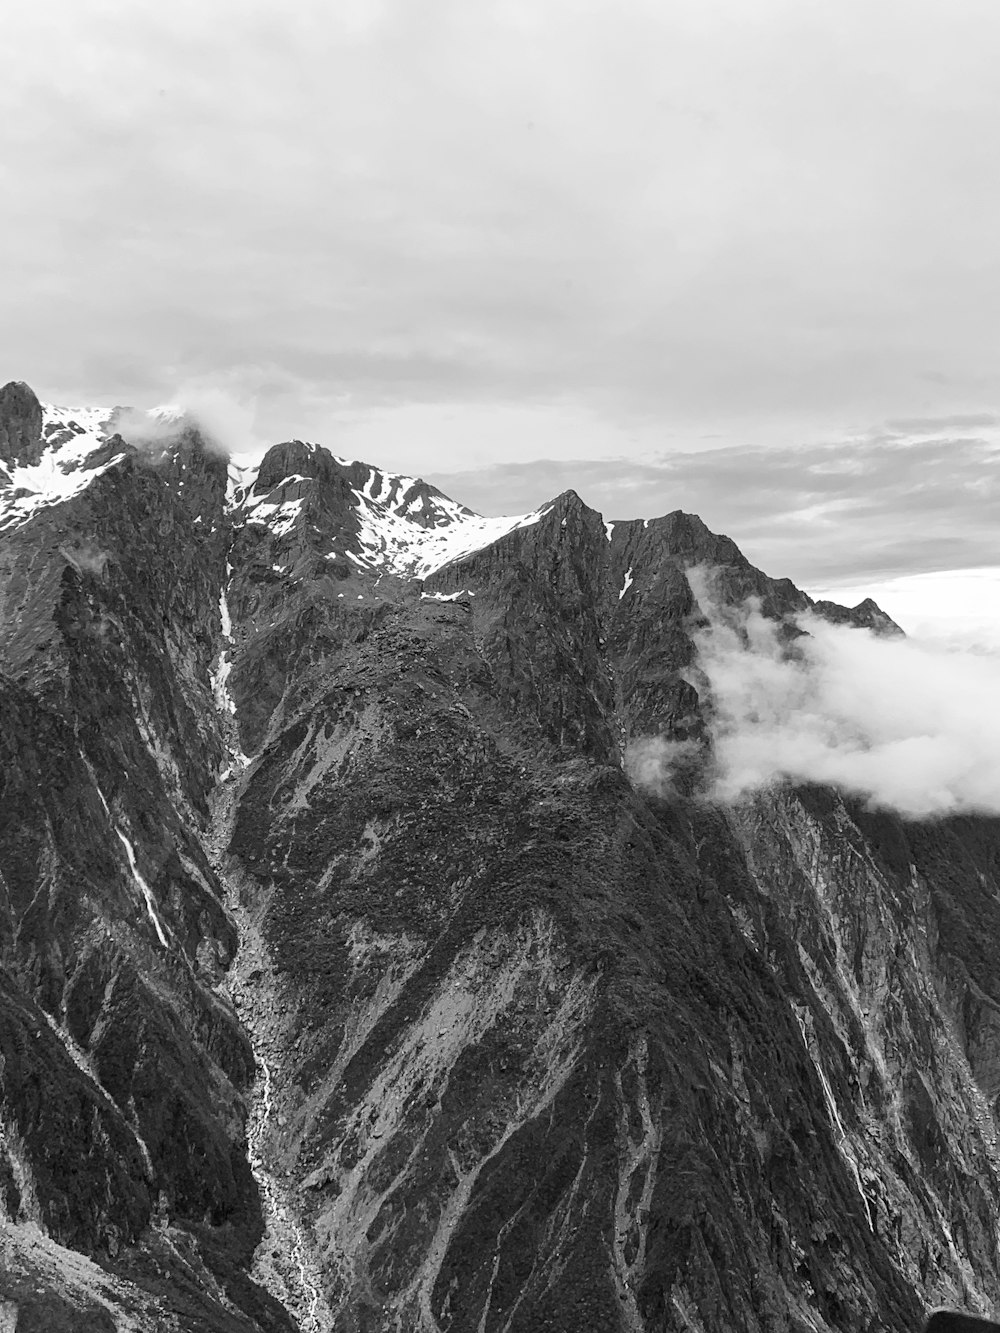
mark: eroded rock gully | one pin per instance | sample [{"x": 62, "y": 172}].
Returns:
[
  {"x": 284, "y": 1262},
  {"x": 407, "y": 1012}
]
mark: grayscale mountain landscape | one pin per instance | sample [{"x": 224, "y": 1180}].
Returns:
[
  {"x": 407, "y": 924},
  {"x": 499, "y": 666}
]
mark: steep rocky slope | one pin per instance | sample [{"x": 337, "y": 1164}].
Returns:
[{"x": 349, "y": 984}]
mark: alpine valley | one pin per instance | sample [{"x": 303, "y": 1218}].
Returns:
[{"x": 347, "y": 982}]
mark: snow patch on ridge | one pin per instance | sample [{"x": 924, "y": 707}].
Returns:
[
  {"x": 397, "y": 545},
  {"x": 73, "y": 435},
  {"x": 279, "y": 517},
  {"x": 404, "y": 527},
  {"x": 219, "y": 680},
  {"x": 242, "y": 475},
  {"x": 410, "y": 498}
]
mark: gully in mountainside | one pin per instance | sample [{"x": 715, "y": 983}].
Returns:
[{"x": 283, "y": 1263}]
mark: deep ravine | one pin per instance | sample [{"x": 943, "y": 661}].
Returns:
[{"x": 283, "y": 1263}]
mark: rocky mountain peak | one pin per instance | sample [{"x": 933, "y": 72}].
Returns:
[
  {"x": 568, "y": 502},
  {"x": 409, "y": 498},
  {"x": 303, "y": 499},
  {"x": 20, "y": 424},
  {"x": 295, "y": 458},
  {"x": 866, "y": 615}
]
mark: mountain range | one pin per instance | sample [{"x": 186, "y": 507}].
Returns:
[{"x": 349, "y": 978}]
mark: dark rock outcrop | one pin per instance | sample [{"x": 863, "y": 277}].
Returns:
[
  {"x": 866, "y": 615},
  {"x": 20, "y": 425}
]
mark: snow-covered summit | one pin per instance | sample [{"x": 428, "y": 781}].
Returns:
[
  {"x": 301, "y": 495},
  {"x": 393, "y": 544},
  {"x": 73, "y": 451},
  {"x": 168, "y": 413},
  {"x": 50, "y": 453},
  {"x": 409, "y": 498},
  {"x": 383, "y": 523}
]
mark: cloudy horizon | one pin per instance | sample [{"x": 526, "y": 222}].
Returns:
[{"x": 740, "y": 260}]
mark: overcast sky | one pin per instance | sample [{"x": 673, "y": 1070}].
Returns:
[{"x": 737, "y": 256}]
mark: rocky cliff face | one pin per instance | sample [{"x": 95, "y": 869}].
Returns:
[
  {"x": 20, "y": 425},
  {"x": 348, "y": 983}
]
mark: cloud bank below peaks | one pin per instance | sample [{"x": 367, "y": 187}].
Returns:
[{"x": 908, "y": 726}]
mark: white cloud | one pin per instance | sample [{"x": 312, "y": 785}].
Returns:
[
  {"x": 651, "y": 761},
  {"x": 907, "y": 725},
  {"x": 225, "y": 419}
]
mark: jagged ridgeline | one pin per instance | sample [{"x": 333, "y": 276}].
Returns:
[{"x": 349, "y": 984}]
